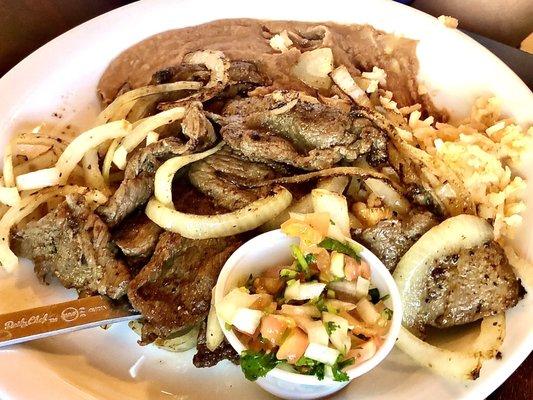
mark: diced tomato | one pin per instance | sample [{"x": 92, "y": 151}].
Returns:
[
  {"x": 322, "y": 258},
  {"x": 319, "y": 221},
  {"x": 293, "y": 348},
  {"x": 302, "y": 230},
  {"x": 351, "y": 269},
  {"x": 364, "y": 352},
  {"x": 354, "y": 269},
  {"x": 268, "y": 285},
  {"x": 365, "y": 269},
  {"x": 263, "y": 302},
  {"x": 273, "y": 272},
  {"x": 273, "y": 328}
]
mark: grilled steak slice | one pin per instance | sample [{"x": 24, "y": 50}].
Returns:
[
  {"x": 137, "y": 236},
  {"x": 206, "y": 358},
  {"x": 467, "y": 286},
  {"x": 73, "y": 244},
  {"x": 389, "y": 240},
  {"x": 138, "y": 183},
  {"x": 216, "y": 175},
  {"x": 131, "y": 194},
  {"x": 173, "y": 291},
  {"x": 310, "y": 136}
]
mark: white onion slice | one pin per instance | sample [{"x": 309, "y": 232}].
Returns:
[
  {"x": 141, "y": 129},
  {"x": 165, "y": 174},
  {"x": 448, "y": 363},
  {"x": 449, "y": 237},
  {"x": 9, "y": 196},
  {"x": 213, "y": 332},
  {"x": 215, "y": 61},
  {"x": 38, "y": 179},
  {"x": 212, "y": 226},
  {"x": 123, "y": 104},
  {"x": 8, "y": 174},
  {"x": 86, "y": 141}
]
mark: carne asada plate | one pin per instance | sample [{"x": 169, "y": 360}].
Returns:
[{"x": 144, "y": 147}]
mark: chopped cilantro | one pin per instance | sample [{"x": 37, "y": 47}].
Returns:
[
  {"x": 387, "y": 313},
  {"x": 332, "y": 222},
  {"x": 310, "y": 258},
  {"x": 257, "y": 364},
  {"x": 305, "y": 361},
  {"x": 374, "y": 295},
  {"x": 335, "y": 245},
  {"x": 345, "y": 363},
  {"x": 301, "y": 262},
  {"x": 288, "y": 273},
  {"x": 320, "y": 303},
  {"x": 385, "y": 297},
  {"x": 338, "y": 374},
  {"x": 331, "y": 327},
  {"x": 308, "y": 366}
]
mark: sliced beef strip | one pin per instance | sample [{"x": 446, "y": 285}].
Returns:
[
  {"x": 73, "y": 244},
  {"x": 206, "y": 358},
  {"x": 138, "y": 184},
  {"x": 137, "y": 236},
  {"x": 216, "y": 174},
  {"x": 389, "y": 240},
  {"x": 467, "y": 286},
  {"x": 310, "y": 136},
  {"x": 173, "y": 291}
]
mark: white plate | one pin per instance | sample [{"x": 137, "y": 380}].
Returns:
[{"x": 61, "y": 78}]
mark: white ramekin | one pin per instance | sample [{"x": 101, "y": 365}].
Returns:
[{"x": 271, "y": 249}]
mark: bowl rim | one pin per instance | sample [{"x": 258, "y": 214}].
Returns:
[{"x": 353, "y": 372}]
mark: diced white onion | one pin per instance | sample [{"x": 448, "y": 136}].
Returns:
[
  {"x": 247, "y": 320},
  {"x": 344, "y": 80},
  {"x": 304, "y": 310},
  {"x": 337, "y": 264},
  {"x": 220, "y": 225},
  {"x": 339, "y": 335},
  {"x": 361, "y": 289},
  {"x": 304, "y": 291},
  {"x": 336, "y": 206},
  {"x": 314, "y": 66},
  {"x": 227, "y": 308},
  {"x": 367, "y": 311},
  {"x": 321, "y": 353}
]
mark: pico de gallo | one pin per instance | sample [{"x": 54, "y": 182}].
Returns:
[{"x": 318, "y": 315}]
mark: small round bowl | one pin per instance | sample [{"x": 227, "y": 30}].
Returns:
[{"x": 271, "y": 249}]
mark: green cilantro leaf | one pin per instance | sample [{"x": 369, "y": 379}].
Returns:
[
  {"x": 335, "y": 245},
  {"x": 331, "y": 327},
  {"x": 257, "y": 364}
]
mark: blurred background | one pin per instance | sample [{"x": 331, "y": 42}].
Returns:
[{"x": 502, "y": 26}]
